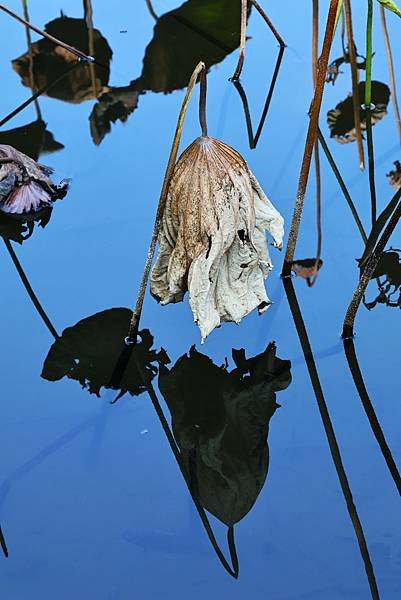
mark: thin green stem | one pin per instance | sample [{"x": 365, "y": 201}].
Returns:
[{"x": 368, "y": 109}]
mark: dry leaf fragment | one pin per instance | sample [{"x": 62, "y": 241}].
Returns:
[
  {"x": 212, "y": 240},
  {"x": 25, "y": 186}
]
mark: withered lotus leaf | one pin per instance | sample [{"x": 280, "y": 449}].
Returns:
[
  {"x": 212, "y": 239},
  {"x": 25, "y": 186}
]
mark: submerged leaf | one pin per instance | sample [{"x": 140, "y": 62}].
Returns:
[
  {"x": 220, "y": 421},
  {"x": 212, "y": 240},
  {"x": 89, "y": 351}
]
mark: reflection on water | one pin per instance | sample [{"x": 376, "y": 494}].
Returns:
[
  {"x": 44, "y": 62},
  {"x": 341, "y": 119},
  {"x": 220, "y": 420},
  {"x": 220, "y": 416},
  {"x": 89, "y": 351},
  {"x": 33, "y": 139}
]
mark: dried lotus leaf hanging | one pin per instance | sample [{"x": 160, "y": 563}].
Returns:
[{"x": 210, "y": 225}]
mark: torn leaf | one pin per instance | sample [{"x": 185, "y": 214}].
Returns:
[{"x": 212, "y": 239}]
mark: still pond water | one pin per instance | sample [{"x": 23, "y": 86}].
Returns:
[{"x": 92, "y": 502}]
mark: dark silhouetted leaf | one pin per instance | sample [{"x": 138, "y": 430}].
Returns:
[
  {"x": 86, "y": 81},
  {"x": 341, "y": 118},
  {"x": 116, "y": 104},
  {"x": 198, "y": 30},
  {"x": 220, "y": 421},
  {"x": 89, "y": 351},
  {"x": 33, "y": 139}
]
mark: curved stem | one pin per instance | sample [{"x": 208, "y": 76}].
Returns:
[
  {"x": 134, "y": 325},
  {"x": 240, "y": 64},
  {"x": 310, "y": 138},
  {"x": 356, "y": 373},
  {"x": 151, "y": 10}
]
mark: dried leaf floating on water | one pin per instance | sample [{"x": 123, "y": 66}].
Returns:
[
  {"x": 25, "y": 186},
  {"x": 212, "y": 239}
]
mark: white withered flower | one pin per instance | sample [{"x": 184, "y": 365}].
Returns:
[
  {"x": 212, "y": 240},
  {"x": 25, "y": 186}
]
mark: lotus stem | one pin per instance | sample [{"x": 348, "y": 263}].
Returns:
[
  {"x": 202, "y": 102},
  {"x": 269, "y": 23},
  {"x": 368, "y": 109},
  {"x": 91, "y": 43},
  {"x": 240, "y": 64},
  {"x": 355, "y": 80},
  {"x": 3, "y": 543},
  {"x": 134, "y": 325},
  {"x": 369, "y": 269},
  {"x": 315, "y": 50},
  {"x": 310, "y": 138},
  {"x": 29, "y": 44},
  {"x": 349, "y": 348},
  {"x": 330, "y": 434},
  {"x": 41, "y": 91},
  {"x": 67, "y": 47},
  {"x": 151, "y": 10},
  {"x": 390, "y": 69},
  {"x": 28, "y": 287},
  {"x": 342, "y": 185}
]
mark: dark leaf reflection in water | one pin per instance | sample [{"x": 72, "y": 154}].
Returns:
[{"x": 293, "y": 543}]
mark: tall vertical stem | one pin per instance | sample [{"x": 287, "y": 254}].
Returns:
[
  {"x": 355, "y": 80},
  {"x": 310, "y": 138},
  {"x": 31, "y": 76},
  {"x": 368, "y": 109},
  {"x": 390, "y": 68}
]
